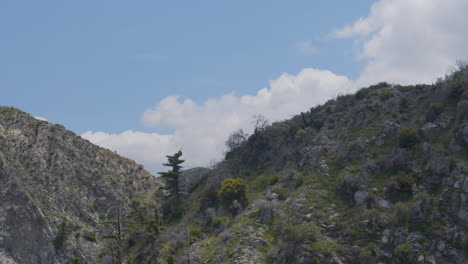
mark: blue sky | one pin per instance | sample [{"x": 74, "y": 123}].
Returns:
[
  {"x": 99, "y": 64},
  {"x": 147, "y": 78}
]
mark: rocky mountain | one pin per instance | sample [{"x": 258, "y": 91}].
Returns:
[
  {"x": 57, "y": 189},
  {"x": 379, "y": 176}
]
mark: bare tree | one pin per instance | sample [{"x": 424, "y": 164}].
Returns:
[
  {"x": 260, "y": 122},
  {"x": 236, "y": 139}
]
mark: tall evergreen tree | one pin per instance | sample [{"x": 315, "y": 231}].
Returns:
[{"x": 171, "y": 177}]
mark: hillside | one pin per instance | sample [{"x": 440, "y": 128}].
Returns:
[
  {"x": 57, "y": 190},
  {"x": 380, "y": 176}
]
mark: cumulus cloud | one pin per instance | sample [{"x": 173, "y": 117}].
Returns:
[
  {"x": 200, "y": 130},
  {"x": 402, "y": 42},
  {"x": 410, "y": 41}
]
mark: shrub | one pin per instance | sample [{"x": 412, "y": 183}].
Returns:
[
  {"x": 233, "y": 190},
  {"x": 282, "y": 193},
  {"x": 354, "y": 170},
  {"x": 401, "y": 214},
  {"x": 437, "y": 108},
  {"x": 195, "y": 232},
  {"x": 365, "y": 256},
  {"x": 273, "y": 179},
  {"x": 403, "y": 249},
  {"x": 361, "y": 94},
  {"x": 74, "y": 261},
  {"x": 300, "y": 233},
  {"x": 62, "y": 235},
  {"x": 218, "y": 221},
  {"x": 102, "y": 216},
  {"x": 402, "y": 183},
  {"x": 385, "y": 95},
  {"x": 464, "y": 243},
  {"x": 90, "y": 236},
  {"x": 325, "y": 247},
  {"x": 408, "y": 136}
]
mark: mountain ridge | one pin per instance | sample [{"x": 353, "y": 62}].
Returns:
[{"x": 379, "y": 176}]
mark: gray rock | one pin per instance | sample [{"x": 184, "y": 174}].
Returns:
[
  {"x": 441, "y": 245},
  {"x": 384, "y": 203},
  {"x": 429, "y": 131},
  {"x": 360, "y": 197},
  {"x": 390, "y": 128}
]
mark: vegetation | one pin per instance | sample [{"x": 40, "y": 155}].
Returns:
[
  {"x": 385, "y": 95},
  {"x": 171, "y": 177},
  {"x": 62, "y": 235},
  {"x": 355, "y": 188},
  {"x": 233, "y": 194},
  {"x": 90, "y": 236},
  {"x": 408, "y": 136}
]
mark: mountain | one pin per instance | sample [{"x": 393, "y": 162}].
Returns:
[
  {"x": 57, "y": 189},
  {"x": 379, "y": 176}
]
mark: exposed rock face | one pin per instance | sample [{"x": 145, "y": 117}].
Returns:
[{"x": 51, "y": 178}]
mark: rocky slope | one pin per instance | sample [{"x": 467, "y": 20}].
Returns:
[
  {"x": 57, "y": 190},
  {"x": 380, "y": 176}
]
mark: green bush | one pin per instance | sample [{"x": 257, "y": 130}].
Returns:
[
  {"x": 403, "y": 249},
  {"x": 401, "y": 214},
  {"x": 218, "y": 221},
  {"x": 74, "y": 261},
  {"x": 102, "y": 216},
  {"x": 385, "y": 95},
  {"x": 464, "y": 243},
  {"x": 259, "y": 183},
  {"x": 282, "y": 193},
  {"x": 408, "y": 136},
  {"x": 300, "y": 233},
  {"x": 437, "y": 108},
  {"x": 403, "y": 182},
  {"x": 325, "y": 247},
  {"x": 362, "y": 93},
  {"x": 62, "y": 235},
  {"x": 273, "y": 179},
  {"x": 195, "y": 232},
  {"x": 231, "y": 190},
  {"x": 354, "y": 170},
  {"x": 365, "y": 256},
  {"x": 90, "y": 236}
]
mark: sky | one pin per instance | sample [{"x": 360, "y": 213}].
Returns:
[{"x": 147, "y": 78}]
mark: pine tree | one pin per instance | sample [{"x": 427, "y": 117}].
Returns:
[{"x": 171, "y": 177}]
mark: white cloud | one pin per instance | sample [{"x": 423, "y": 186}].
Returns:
[
  {"x": 402, "y": 41},
  {"x": 202, "y": 129},
  {"x": 41, "y": 118},
  {"x": 410, "y": 41}
]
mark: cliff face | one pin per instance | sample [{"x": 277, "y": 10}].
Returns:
[{"x": 56, "y": 189}]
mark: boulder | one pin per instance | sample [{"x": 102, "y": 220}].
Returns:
[
  {"x": 389, "y": 128},
  {"x": 360, "y": 197},
  {"x": 384, "y": 203},
  {"x": 429, "y": 131}
]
